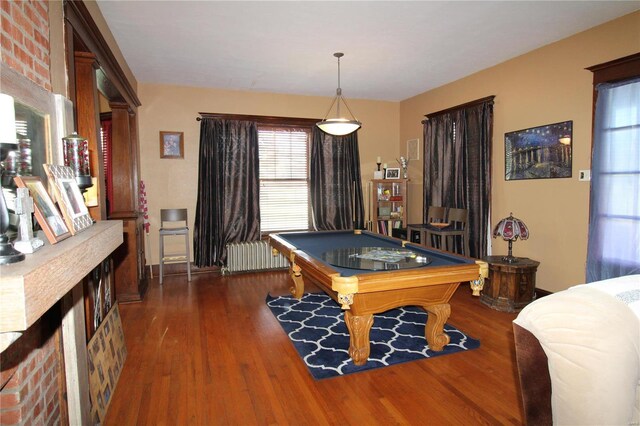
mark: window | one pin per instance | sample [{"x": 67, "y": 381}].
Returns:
[
  {"x": 614, "y": 234},
  {"x": 105, "y": 143},
  {"x": 284, "y": 178}
]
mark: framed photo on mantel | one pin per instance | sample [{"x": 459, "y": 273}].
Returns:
[
  {"x": 70, "y": 199},
  {"x": 45, "y": 211}
]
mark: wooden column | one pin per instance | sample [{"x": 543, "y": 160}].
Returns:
[
  {"x": 131, "y": 283},
  {"x": 123, "y": 162},
  {"x": 88, "y": 119},
  {"x": 75, "y": 357}
]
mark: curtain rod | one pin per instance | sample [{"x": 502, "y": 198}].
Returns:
[
  {"x": 461, "y": 106},
  {"x": 266, "y": 119}
]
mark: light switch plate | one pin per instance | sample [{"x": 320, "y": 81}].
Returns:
[{"x": 584, "y": 175}]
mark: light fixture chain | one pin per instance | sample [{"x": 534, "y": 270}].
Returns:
[
  {"x": 339, "y": 91},
  {"x": 339, "y": 75}
]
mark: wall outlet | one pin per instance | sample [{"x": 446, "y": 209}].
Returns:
[{"x": 584, "y": 175}]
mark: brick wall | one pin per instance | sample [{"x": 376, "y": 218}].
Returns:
[
  {"x": 31, "y": 375},
  {"x": 25, "y": 39}
]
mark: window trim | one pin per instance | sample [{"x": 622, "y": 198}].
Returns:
[
  {"x": 620, "y": 69},
  {"x": 274, "y": 121},
  {"x": 264, "y": 119}
]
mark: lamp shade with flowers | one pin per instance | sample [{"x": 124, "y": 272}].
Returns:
[{"x": 510, "y": 229}]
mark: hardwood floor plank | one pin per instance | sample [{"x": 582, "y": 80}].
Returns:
[{"x": 210, "y": 352}]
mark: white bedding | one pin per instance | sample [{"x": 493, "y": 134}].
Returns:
[{"x": 591, "y": 336}]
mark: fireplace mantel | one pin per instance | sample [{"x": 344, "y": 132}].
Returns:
[{"x": 29, "y": 288}]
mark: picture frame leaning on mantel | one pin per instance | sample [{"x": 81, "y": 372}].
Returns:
[
  {"x": 45, "y": 211},
  {"x": 70, "y": 199}
]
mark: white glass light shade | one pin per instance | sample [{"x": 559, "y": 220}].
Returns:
[
  {"x": 339, "y": 126},
  {"x": 7, "y": 120}
]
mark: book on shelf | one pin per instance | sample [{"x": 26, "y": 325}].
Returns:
[
  {"x": 386, "y": 226},
  {"x": 382, "y": 227}
]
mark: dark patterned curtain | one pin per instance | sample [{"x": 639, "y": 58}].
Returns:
[
  {"x": 336, "y": 186},
  {"x": 457, "y": 166},
  {"x": 228, "y": 207}
]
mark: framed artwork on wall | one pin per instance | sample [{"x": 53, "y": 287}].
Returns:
[
  {"x": 70, "y": 199},
  {"x": 413, "y": 149},
  {"x": 539, "y": 152},
  {"x": 171, "y": 144},
  {"x": 45, "y": 211}
]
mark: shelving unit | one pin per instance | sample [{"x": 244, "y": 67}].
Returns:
[{"x": 389, "y": 210}]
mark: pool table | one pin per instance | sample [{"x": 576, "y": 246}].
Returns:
[{"x": 363, "y": 293}]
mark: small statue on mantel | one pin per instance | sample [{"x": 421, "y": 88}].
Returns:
[{"x": 25, "y": 243}]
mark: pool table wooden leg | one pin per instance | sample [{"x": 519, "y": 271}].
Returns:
[
  {"x": 297, "y": 290},
  {"x": 359, "y": 327},
  {"x": 434, "y": 330}
]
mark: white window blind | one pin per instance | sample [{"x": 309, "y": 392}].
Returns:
[{"x": 284, "y": 178}]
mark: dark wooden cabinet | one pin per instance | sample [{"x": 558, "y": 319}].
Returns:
[{"x": 510, "y": 286}]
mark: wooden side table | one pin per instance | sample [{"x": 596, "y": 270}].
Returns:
[{"x": 510, "y": 286}]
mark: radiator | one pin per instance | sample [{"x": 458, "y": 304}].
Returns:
[{"x": 252, "y": 256}]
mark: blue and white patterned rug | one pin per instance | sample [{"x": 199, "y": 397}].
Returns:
[{"x": 315, "y": 325}]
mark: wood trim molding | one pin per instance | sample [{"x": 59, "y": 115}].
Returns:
[
  {"x": 78, "y": 16},
  {"x": 262, "y": 119},
  {"x": 618, "y": 69},
  {"x": 461, "y": 106}
]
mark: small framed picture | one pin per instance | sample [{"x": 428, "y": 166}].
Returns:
[
  {"x": 70, "y": 199},
  {"x": 45, "y": 211},
  {"x": 392, "y": 173},
  {"x": 171, "y": 144},
  {"x": 413, "y": 149}
]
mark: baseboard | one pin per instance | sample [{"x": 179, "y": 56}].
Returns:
[
  {"x": 542, "y": 293},
  {"x": 181, "y": 269}
]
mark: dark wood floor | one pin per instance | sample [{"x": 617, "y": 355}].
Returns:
[{"x": 210, "y": 352}]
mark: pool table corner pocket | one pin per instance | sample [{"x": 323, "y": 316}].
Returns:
[{"x": 346, "y": 287}]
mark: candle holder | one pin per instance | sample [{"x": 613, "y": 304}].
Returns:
[
  {"x": 8, "y": 254},
  {"x": 76, "y": 156}
]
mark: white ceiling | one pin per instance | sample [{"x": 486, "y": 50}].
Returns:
[{"x": 393, "y": 49}]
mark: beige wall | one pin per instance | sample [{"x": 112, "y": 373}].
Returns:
[
  {"x": 544, "y": 86},
  {"x": 173, "y": 182}
]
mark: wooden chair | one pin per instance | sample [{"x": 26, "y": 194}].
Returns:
[
  {"x": 175, "y": 216},
  {"x": 458, "y": 227},
  {"x": 434, "y": 215}
]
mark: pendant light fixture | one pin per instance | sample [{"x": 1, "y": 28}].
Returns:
[{"x": 339, "y": 126}]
